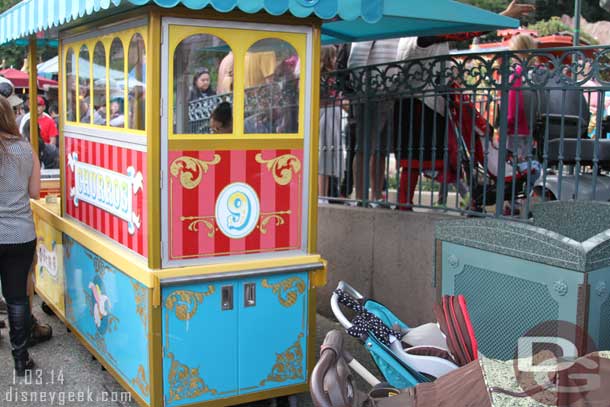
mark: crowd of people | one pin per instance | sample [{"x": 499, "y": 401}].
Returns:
[{"x": 369, "y": 144}]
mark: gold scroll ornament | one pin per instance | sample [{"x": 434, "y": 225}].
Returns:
[
  {"x": 191, "y": 169},
  {"x": 281, "y": 167},
  {"x": 185, "y": 382},
  {"x": 141, "y": 382},
  {"x": 287, "y": 290},
  {"x": 288, "y": 364},
  {"x": 185, "y": 303}
]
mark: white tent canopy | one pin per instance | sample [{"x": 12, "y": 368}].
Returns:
[{"x": 117, "y": 78}]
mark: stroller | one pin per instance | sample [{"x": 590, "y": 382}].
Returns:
[
  {"x": 408, "y": 356},
  {"x": 460, "y": 150},
  {"x": 475, "y": 381}
]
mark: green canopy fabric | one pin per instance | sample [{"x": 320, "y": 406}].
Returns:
[{"x": 344, "y": 20}]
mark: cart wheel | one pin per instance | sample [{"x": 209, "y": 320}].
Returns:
[{"x": 46, "y": 309}]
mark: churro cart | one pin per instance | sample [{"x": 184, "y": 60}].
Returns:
[{"x": 182, "y": 250}]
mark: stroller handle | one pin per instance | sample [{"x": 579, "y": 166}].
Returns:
[
  {"x": 334, "y": 303},
  {"x": 329, "y": 353}
]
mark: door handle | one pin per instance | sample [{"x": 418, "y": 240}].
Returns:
[
  {"x": 227, "y": 298},
  {"x": 249, "y": 294}
]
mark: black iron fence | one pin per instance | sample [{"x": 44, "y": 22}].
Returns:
[{"x": 474, "y": 133}]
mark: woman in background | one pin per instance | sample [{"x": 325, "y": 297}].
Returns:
[
  {"x": 19, "y": 181},
  {"x": 330, "y": 126},
  {"x": 202, "y": 85}
]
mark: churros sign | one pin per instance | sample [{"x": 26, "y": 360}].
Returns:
[{"x": 108, "y": 190}]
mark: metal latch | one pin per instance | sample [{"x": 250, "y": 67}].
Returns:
[
  {"x": 249, "y": 294},
  {"x": 227, "y": 298}
]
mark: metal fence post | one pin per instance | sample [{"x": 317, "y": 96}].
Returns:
[{"x": 504, "y": 88}]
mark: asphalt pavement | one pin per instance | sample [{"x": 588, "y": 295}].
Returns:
[{"x": 67, "y": 375}]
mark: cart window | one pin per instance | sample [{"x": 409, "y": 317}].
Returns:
[
  {"x": 84, "y": 85},
  {"x": 137, "y": 82},
  {"x": 271, "y": 88},
  {"x": 70, "y": 86},
  {"x": 203, "y": 86},
  {"x": 116, "y": 110},
  {"x": 99, "y": 84}
]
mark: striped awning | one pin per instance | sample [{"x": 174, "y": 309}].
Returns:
[{"x": 348, "y": 20}]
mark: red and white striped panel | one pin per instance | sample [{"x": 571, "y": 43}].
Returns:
[
  {"x": 193, "y": 231},
  {"x": 116, "y": 159}
]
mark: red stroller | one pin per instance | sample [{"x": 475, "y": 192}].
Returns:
[{"x": 471, "y": 162}]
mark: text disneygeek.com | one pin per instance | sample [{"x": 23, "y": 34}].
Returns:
[{"x": 62, "y": 398}]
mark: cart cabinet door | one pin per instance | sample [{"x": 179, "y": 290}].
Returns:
[
  {"x": 272, "y": 331},
  {"x": 199, "y": 342}
]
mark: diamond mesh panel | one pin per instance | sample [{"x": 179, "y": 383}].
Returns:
[
  {"x": 604, "y": 326},
  {"x": 503, "y": 308}
]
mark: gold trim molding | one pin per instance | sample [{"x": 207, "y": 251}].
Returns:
[
  {"x": 191, "y": 169},
  {"x": 281, "y": 167}
]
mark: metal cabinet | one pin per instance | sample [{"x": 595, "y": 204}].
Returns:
[{"x": 231, "y": 337}]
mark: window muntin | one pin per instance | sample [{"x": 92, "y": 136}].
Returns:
[
  {"x": 271, "y": 81},
  {"x": 70, "y": 86},
  {"x": 84, "y": 85},
  {"x": 203, "y": 65},
  {"x": 137, "y": 83},
  {"x": 100, "y": 85},
  {"x": 116, "y": 110}
]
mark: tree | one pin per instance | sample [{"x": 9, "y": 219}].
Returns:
[
  {"x": 554, "y": 25},
  {"x": 491, "y": 5},
  {"x": 545, "y": 9},
  {"x": 6, "y": 4},
  {"x": 13, "y": 54}
]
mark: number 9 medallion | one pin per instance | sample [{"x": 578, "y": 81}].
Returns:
[{"x": 237, "y": 210}]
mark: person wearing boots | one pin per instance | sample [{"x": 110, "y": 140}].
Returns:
[{"x": 19, "y": 181}]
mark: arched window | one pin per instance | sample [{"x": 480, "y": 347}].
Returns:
[
  {"x": 271, "y": 79},
  {"x": 100, "y": 82},
  {"x": 116, "y": 110},
  {"x": 137, "y": 82},
  {"x": 203, "y": 86},
  {"x": 84, "y": 85},
  {"x": 70, "y": 86}
]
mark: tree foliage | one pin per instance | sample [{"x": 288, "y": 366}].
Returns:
[
  {"x": 12, "y": 54},
  {"x": 545, "y": 9},
  {"x": 6, "y": 4},
  {"x": 554, "y": 25}
]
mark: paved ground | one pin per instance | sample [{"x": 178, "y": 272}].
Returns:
[{"x": 66, "y": 370}]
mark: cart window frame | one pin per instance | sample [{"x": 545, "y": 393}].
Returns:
[
  {"x": 124, "y": 33},
  {"x": 239, "y": 38}
]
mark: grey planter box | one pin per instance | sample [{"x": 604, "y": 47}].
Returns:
[{"x": 515, "y": 275}]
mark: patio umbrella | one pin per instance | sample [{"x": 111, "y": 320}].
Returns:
[{"x": 21, "y": 79}]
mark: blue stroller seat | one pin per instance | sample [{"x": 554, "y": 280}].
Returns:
[{"x": 408, "y": 356}]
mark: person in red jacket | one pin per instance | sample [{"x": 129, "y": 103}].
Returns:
[{"x": 48, "y": 128}]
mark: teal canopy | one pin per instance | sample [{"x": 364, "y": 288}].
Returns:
[{"x": 344, "y": 20}]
